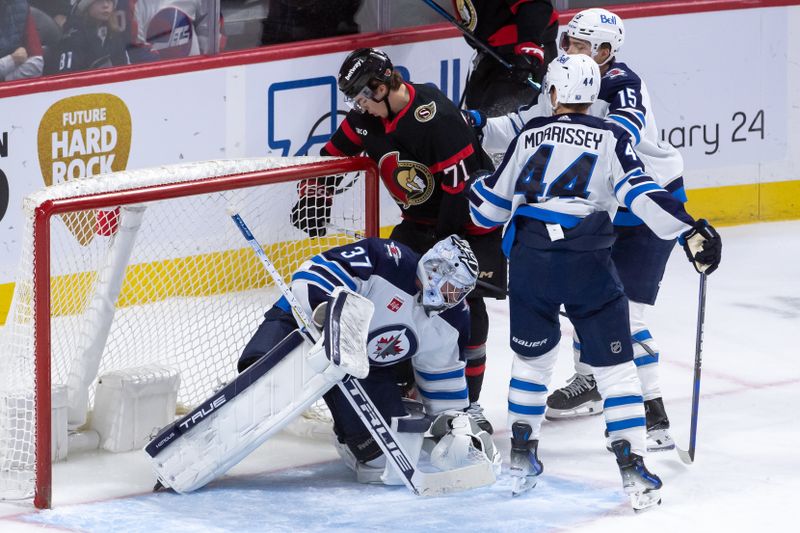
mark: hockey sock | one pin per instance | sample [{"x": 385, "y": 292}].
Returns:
[
  {"x": 476, "y": 368},
  {"x": 645, "y": 352},
  {"x": 580, "y": 368},
  {"x": 623, "y": 406},
  {"x": 527, "y": 393}
]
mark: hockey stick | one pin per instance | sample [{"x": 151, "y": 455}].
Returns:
[
  {"x": 480, "y": 44},
  {"x": 687, "y": 456},
  {"x": 418, "y": 482}
]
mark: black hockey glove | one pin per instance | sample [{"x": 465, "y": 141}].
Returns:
[
  {"x": 312, "y": 212},
  {"x": 703, "y": 246},
  {"x": 528, "y": 58}
]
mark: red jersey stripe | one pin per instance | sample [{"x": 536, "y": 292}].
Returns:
[
  {"x": 347, "y": 129},
  {"x": 463, "y": 154}
]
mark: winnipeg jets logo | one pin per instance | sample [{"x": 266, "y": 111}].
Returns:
[
  {"x": 390, "y": 344},
  {"x": 393, "y": 251},
  {"x": 409, "y": 183},
  {"x": 615, "y": 73}
]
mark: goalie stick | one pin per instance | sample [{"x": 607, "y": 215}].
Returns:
[
  {"x": 480, "y": 44},
  {"x": 418, "y": 482},
  {"x": 687, "y": 456}
]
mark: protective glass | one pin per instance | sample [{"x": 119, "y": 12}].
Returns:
[{"x": 357, "y": 102}]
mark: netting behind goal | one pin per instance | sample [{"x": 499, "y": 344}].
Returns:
[{"x": 143, "y": 267}]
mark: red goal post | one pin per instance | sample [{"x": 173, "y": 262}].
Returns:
[{"x": 266, "y": 186}]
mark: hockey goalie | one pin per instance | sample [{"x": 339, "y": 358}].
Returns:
[{"x": 372, "y": 304}]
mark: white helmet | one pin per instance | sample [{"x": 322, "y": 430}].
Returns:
[
  {"x": 463, "y": 443},
  {"x": 447, "y": 272},
  {"x": 597, "y": 26},
  {"x": 576, "y": 79}
]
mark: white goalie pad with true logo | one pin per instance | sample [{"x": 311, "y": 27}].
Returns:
[{"x": 233, "y": 422}]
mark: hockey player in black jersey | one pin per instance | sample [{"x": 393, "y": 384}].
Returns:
[
  {"x": 523, "y": 32},
  {"x": 426, "y": 154}
]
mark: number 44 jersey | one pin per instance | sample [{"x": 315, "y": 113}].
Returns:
[{"x": 563, "y": 168}]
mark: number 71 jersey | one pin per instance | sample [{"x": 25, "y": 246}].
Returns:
[{"x": 563, "y": 168}]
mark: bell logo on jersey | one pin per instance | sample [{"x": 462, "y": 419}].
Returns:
[
  {"x": 409, "y": 183},
  {"x": 391, "y": 344},
  {"x": 426, "y": 112},
  {"x": 393, "y": 251},
  {"x": 395, "y": 305}
]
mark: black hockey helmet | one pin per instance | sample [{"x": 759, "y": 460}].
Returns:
[{"x": 361, "y": 67}]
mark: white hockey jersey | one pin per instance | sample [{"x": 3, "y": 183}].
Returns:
[
  {"x": 563, "y": 168},
  {"x": 625, "y": 100},
  {"x": 385, "y": 272},
  {"x": 174, "y": 28}
]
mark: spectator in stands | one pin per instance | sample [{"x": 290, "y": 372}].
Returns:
[
  {"x": 176, "y": 28},
  {"x": 296, "y": 20},
  {"x": 92, "y": 39},
  {"x": 20, "y": 48},
  {"x": 58, "y": 10}
]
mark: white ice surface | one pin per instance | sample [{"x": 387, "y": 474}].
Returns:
[{"x": 746, "y": 474}]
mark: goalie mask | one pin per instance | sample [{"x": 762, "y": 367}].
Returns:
[
  {"x": 464, "y": 443},
  {"x": 447, "y": 273},
  {"x": 595, "y": 26}
]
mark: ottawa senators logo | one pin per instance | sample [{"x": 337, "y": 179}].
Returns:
[
  {"x": 467, "y": 14},
  {"x": 409, "y": 183},
  {"x": 425, "y": 112}
]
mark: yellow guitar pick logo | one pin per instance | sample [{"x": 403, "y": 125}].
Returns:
[{"x": 84, "y": 136}]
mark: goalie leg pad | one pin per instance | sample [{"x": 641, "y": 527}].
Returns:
[{"x": 233, "y": 422}]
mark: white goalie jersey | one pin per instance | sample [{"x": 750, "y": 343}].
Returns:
[{"x": 385, "y": 272}]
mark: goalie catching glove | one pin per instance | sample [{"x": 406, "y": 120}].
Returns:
[
  {"x": 312, "y": 211},
  {"x": 703, "y": 247}
]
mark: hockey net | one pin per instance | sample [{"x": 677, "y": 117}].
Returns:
[{"x": 142, "y": 267}]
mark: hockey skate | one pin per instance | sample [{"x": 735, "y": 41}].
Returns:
[
  {"x": 658, "y": 437},
  {"x": 579, "y": 398},
  {"x": 643, "y": 487},
  {"x": 475, "y": 411},
  {"x": 525, "y": 465}
]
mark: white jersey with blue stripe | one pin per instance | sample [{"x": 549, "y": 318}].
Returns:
[
  {"x": 563, "y": 168},
  {"x": 624, "y": 99},
  {"x": 385, "y": 272}
]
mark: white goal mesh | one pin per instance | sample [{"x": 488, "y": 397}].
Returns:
[{"x": 147, "y": 267}]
